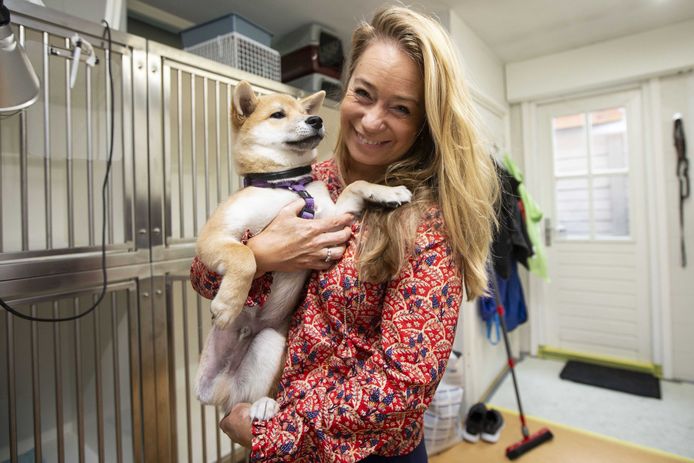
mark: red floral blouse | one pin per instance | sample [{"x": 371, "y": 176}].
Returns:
[{"x": 364, "y": 360}]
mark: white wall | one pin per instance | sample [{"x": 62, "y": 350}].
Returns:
[
  {"x": 484, "y": 71},
  {"x": 330, "y": 112},
  {"x": 515, "y": 150},
  {"x": 677, "y": 96},
  {"x": 638, "y": 56},
  {"x": 114, "y": 11},
  {"x": 660, "y": 61},
  {"x": 484, "y": 74}
]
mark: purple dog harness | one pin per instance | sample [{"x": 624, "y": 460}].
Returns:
[{"x": 293, "y": 180}]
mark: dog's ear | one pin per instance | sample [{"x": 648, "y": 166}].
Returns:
[
  {"x": 313, "y": 102},
  {"x": 244, "y": 103}
]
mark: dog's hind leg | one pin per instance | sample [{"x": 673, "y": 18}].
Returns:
[
  {"x": 258, "y": 373},
  {"x": 238, "y": 262},
  {"x": 222, "y": 356}
]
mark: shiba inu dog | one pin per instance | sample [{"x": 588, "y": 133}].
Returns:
[{"x": 274, "y": 138}]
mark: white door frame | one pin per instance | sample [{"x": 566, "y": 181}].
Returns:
[
  {"x": 661, "y": 328},
  {"x": 658, "y": 233}
]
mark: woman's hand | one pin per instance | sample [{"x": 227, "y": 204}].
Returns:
[
  {"x": 290, "y": 243},
  {"x": 237, "y": 424}
]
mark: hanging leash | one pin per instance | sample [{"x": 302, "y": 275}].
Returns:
[{"x": 683, "y": 177}]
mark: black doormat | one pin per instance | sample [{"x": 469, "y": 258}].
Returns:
[{"x": 618, "y": 379}]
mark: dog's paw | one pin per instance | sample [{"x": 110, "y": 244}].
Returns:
[
  {"x": 390, "y": 196},
  {"x": 222, "y": 314},
  {"x": 264, "y": 409}
]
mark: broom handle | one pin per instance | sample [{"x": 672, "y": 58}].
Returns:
[{"x": 502, "y": 320}]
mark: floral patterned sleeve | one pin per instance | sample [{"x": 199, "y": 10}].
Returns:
[
  {"x": 378, "y": 405},
  {"x": 205, "y": 282}
]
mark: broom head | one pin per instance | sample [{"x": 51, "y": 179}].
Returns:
[{"x": 538, "y": 438}]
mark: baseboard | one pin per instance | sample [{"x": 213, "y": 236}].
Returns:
[{"x": 548, "y": 352}]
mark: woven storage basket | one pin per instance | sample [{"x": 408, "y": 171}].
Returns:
[{"x": 239, "y": 51}]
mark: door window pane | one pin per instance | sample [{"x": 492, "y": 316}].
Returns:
[
  {"x": 608, "y": 129},
  {"x": 573, "y": 221},
  {"x": 570, "y": 150},
  {"x": 611, "y": 206},
  {"x": 591, "y": 174}
]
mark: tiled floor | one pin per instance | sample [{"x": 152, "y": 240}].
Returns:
[{"x": 666, "y": 424}]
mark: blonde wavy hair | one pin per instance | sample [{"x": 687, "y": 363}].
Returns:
[{"x": 445, "y": 165}]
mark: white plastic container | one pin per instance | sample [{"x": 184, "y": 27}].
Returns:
[
  {"x": 442, "y": 420},
  {"x": 235, "y": 49},
  {"x": 315, "y": 82},
  {"x": 223, "y": 26}
]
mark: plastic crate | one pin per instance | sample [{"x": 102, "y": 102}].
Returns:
[
  {"x": 239, "y": 51},
  {"x": 305, "y": 61},
  {"x": 312, "y": 46},
  {"x": 442, "y": 420},
  {"x": 310, "y": 34},
  {"x": 222, "y": 26},
  {"x": 316, "y": 82}
]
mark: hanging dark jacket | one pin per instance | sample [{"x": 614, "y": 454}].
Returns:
[{"x": 511, "y": 242}]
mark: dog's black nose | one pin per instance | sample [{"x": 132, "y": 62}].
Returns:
[{"x": 315, "y": 121}]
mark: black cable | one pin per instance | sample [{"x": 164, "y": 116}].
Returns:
[{"x": 107, "y": 32}]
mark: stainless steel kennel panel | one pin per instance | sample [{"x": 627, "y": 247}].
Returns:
[
  {"x": 54, "y": 153},
  {"x": 78, "y": 391},
  {"x": 189, "y": 125},
  {"x": 117, "y": 384},
  {"x": 197, "y": 434}
]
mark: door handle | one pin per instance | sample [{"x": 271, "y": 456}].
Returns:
[{"x": 548, "y": 232}]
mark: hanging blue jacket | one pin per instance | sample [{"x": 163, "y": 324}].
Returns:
[{"x": 512, "y": 299}]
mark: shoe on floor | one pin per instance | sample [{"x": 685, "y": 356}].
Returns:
[
  {"x": 474, "y": 422},
  {"x": 492, "y": 425}
]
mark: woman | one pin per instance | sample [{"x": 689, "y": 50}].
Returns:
[{"x": 369, "y": 343}]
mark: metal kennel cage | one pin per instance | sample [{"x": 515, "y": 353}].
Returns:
[{"x": 116, "y": 384}]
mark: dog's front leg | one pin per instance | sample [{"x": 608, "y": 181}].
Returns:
[
  {"x": 239, "y": 264},
  {"x": 354, "y": 196}
]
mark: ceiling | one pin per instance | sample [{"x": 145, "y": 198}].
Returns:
[{"x": 514, "y": 30}]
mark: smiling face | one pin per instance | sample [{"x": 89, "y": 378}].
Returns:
[{"x": 382, "y": 111}]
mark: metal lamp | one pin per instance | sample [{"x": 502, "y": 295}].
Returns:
[{"x": 19, "y": 84}]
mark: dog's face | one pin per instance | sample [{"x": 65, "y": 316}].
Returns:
[{"x": 274, "y": 132}]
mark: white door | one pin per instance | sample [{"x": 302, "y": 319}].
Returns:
[{"x": 592, "y": 191}]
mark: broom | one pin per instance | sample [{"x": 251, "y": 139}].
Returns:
[{"x": 530, "y": 441}]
